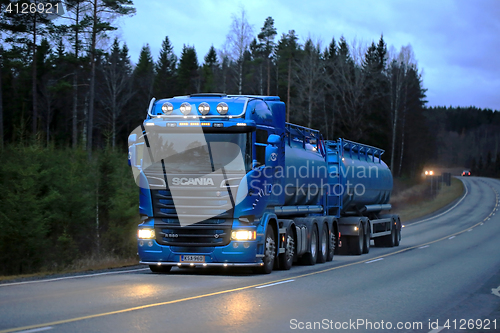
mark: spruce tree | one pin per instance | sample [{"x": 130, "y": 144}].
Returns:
[
  {"x": 165, "y": 70},
  {"x": 188, "y": 71}
]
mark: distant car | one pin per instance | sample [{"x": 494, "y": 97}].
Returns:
[
  {"x": 466, "y": 173},
  {"x": 429, "y": 172}
]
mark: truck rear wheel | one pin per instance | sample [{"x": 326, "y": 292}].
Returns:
[
  {"x": 269, "y": 253},
  {"x": 323, "y": 245},
  {"x": 286, "y": 259},
  {"x": 160, "y": 269},
  {"x": 311, "y": 257}
]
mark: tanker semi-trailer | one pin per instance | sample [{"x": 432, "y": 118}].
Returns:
[{"x": 225, "y": 181}]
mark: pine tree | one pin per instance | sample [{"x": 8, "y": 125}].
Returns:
[
  {"x": 143, "y": 79},
  {"x": 266, "y": 38},
  {"x": 287, "y": 50},
  {"x": 188, "y": 67},
  {"x": 165, "y": 69},
  {"x": 209, "y": 69}
]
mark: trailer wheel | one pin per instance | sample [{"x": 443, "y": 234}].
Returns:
[
  {"x": 398, "y": 233},
  {"x": 311, "y": 257},
  {"x": 394, "y": 238},
  {"x": 356, "y": 243},
  {"x": 269, "y": 253},
  {"x": 286, "y": 259},
  {"x": 160, "y": 269},
  {"x": 366, "y": 243},
  {"x": 323, "y": 245},
  {"x": 332, "y": 246}
]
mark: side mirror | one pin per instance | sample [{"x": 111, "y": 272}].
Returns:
[
  {"x": 132, "y": 139},
  {"x": 272, "y": 150},
  {"x": 273, "y": 139}
]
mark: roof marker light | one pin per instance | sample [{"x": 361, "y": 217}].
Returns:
[
  {"x": 222, "y": 108},
  {"x": 167, "y": 108},
  {"x": 204, "y": 108},
  {"x": 185, "y": 108}
]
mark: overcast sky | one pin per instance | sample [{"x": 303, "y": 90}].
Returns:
[{"x": 456, "y": 43}]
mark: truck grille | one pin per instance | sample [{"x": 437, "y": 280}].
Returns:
[{"x": 207, "y": 233}]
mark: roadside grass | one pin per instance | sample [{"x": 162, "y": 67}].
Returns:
[
  {"x": 79, "y": 266},
  {"x": 415, "y": 201}
]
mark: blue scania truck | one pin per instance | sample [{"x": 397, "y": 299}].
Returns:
[{"x": 225, "y": 181}]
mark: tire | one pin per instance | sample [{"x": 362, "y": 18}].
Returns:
[
  {"x": 332, "y": 247},
  {"x": 366, "y": 243},
  {"x": 356, "y": 243},
  {"x": 269, "y": 253},
  {"x": 323, "y": 245},
  {"x": 286, "y": 259},
  {"x": 394, "y": 237},
  {"x": 160, "y": 269},
  {"x": 398, "y": 233},
  {"x": 311, "y": 257}
]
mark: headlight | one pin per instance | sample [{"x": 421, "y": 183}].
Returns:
[
  {"x": 167, "y": 108},
  {"x": 222, "y": 108},
  {"x": 243, "y": 235},
  {"x": 145, "y": 233},
  {"x": 204, "y": 108},
  {"x": 185, "y": 108}
]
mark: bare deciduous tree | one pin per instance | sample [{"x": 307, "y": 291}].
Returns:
[{"x": 237, "y": 41}]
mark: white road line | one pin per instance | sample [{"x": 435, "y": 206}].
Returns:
[
  {"x": 436, "y": 330},
  {"x": 368, "y": 262},
  {"x": 496, "y": 291},
  {"x": 451, "y": 237},
  {"x": 71, "y": 277},
  {"x": 482, "y": 223},
  {"x": 46, "y": 328},
  {"x": 273, "y": 284},
  {"x": 469, "y": 230},
  {"x": 423, "y": 247}
]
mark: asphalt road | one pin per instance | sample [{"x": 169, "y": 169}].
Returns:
[{"x": 447, "y": 268}]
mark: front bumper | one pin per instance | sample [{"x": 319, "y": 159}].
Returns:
[
  {"x": 208, "y": 264},
  {"x": 236, "y": 253}
]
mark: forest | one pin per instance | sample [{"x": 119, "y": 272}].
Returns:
[{"x": 70, "y": 94}]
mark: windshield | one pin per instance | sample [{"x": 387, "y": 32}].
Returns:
[{"x": 201, "y": 153}]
